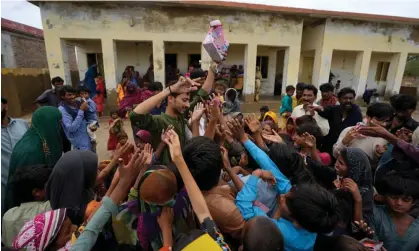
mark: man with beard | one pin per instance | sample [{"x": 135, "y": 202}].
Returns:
[
  {"x": 12, "y": 131},
  {"x": 340, "y": 116},
  {"x": 307, "y": 108},
  {"x": 179, "y": 101},
  {"x": 404, "y": 105}
]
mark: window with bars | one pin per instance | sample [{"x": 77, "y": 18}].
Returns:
[{"x": 382, "y": 71}]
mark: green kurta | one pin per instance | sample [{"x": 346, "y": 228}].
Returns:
[{"x": 155, "y": 124}]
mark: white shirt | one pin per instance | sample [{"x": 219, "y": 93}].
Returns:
[{"x": 321, "y": 122}]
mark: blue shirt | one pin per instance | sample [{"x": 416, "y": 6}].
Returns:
[
  {"x": 90, "y": 114},
  {"x": 286, "y": 105},
  {"x": 10, "y": 135},
  {"x": 76, "y": 129},
  {"x": 295, "y": 239}
]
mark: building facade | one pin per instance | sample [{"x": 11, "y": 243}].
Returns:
[{"x": 296, "y": 45}]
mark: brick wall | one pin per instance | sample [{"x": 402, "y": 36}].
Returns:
[{"x": 29, "y": 52}]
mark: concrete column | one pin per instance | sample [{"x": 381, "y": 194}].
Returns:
[
  {"x": 57, "y": 57},
  {"x": 395, "y": 73},
  {"x": 110, "y": 63},
  {"x": 158, "y": 61},
  {"x": 250, "y": 54},
  {"x": 321, "y": 67},
  {"x": 269, "y": 89},
  {"x": 81, "y": 58},
  {"x": 362, "y": 65},
  {"x": 291, "y": 66},
  {"x": 205, "y": 59}
]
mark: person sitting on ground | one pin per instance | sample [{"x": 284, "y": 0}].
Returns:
[
  {"x": 286, "y": 106},
  {"x": 74, "y": 120},
  {"x": 404, "y": 105},
  {"x": 308, "y": 108},
  {"x": 28, "y": 184},
  {"x": 328, "y": 96}
]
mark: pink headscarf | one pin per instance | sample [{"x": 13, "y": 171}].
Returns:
[
  {"x": 144, "y": 136},
  {"x": 41, "y": 231}
]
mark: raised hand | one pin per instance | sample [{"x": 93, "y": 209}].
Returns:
[
  {"x": 253, "y": 123},
  {"x": 237, "y": 129},
  {"x": 197, "y": 113},
  {"x": 172, "y": 140},
  {"x": 121, "y": 150},
  {"x": 274, "y": 137},
  {"x": 404, "y": 134},
  {"x": 309, "y": 140},
  {"x": 350, "y": 185},
  {"x": 164, "y": 132},
  {"x": 148, "y": 154},
  {"x": 184, "y": 85},
  {"x": 351, "y": 135},
  {"x": 166, "y": 217},
  {"x": 226, "y": 159},
  {"x": 129, "y": 172}
]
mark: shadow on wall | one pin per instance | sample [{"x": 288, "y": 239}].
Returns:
[{"x": 21, "y": 86}]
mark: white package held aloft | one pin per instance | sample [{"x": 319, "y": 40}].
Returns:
[{"x": 214, "y": 42}]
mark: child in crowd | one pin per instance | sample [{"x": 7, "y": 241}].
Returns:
[
  {"x": 116, "y": 125},
  {"x": 290, "y": 127},
  {"x": 286, "y": 106},
  {"x": 220, "y": 89},
  {"x": 122, "y": 140},
  {"x": 144, "y": 92},
  {"x": 263, "y": 110},
  {"x": 90, "y": 115},
  {"x": 232, "y": 103},
  {"x": 271, "y": 116}
]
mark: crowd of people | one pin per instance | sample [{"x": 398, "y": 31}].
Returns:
[{"x": 201, "y": 175}]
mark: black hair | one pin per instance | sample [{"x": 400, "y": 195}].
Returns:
[
  {"x": 203, "y": 158},
  {"x": 83, "y": 88},
  {"x": 399, "y": 183},
  {"x": 287, "y": 139},
  {"x": 231, "y": 94},
  {"x": 262, "y": 235},
  {"x": 326, "y": 87},
  {"x": 403, "y": 102},
  {"x": 155, "y": 86},
  {"x": 65, "y": 89},
  {"x": 57, "y": 80},
  {"x": 345, "y": 207},
  {"x": 311, "y": 88},
  {"x": 380, "y": 111},
  {"x": 197, "y": 73},
  {"x": 313, "y": 207},
  {"x": 264, "y": 108},
  {"x": 113, "y": 112},
  {"x": 338, "y": 243},
  {"x": 345, "y": 91},
  {"x": 310, "y": 128},
  {"x": 290, "y": 163},
  {"x": 28, "y": 178},
  {"x": 3, "y": 101},
  {"x": 300, "y": 86},
  {"x": 289, "y": 88},
  {"x": 305, "y": 119}
]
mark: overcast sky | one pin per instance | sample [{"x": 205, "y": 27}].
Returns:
[{"x": 27, "y": 13}]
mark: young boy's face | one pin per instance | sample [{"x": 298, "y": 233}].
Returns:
[
  {"x": 291, "y": 92},
  {"x": 84, "y": 95},
  {"x": 114, "y": 115},
  {"x": 220, "y": 90},
  {"x": 399, "y": 204},
  {"x": 267, "y": 129},
  {"x": 298, "y": 140}
]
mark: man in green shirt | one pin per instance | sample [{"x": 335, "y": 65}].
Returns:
[{"x": 179, "y": 101}]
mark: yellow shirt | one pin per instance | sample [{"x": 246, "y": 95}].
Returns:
[{"x": 296, "y": 102}]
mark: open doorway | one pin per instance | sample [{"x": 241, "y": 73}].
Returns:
[
  {"x": 171, "y": 60},
  {"x": 193, "y": 59}
]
